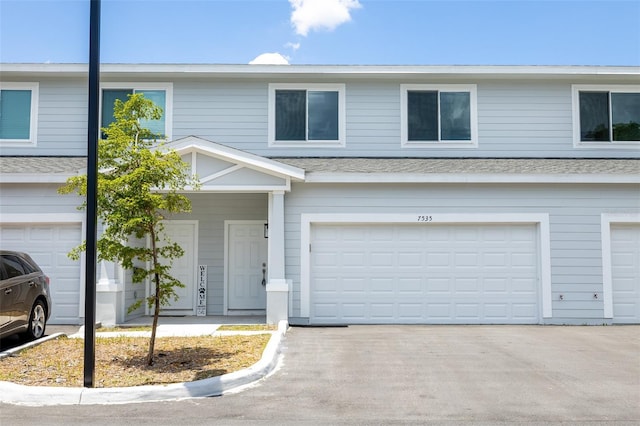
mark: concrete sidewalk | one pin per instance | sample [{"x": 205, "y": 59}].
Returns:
[{"x": 12, "y": 393}]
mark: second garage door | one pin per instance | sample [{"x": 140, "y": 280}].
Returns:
[
  {"x": 625, "y": 259},
  {"x": 430, "y": 274},
  {"x": 48, "y": 245}
]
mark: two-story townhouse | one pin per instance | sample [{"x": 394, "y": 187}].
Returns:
[{"x": 354, "y": 194}]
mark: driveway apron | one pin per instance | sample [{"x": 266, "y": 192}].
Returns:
[
  {"x": 458, "y": 373},
  {"x": 415, "y": 374}
]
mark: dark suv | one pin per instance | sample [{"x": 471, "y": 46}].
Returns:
[{"x": 25, "y": 301}]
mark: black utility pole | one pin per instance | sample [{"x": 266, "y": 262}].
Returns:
[{"x": 92, "y": 201}]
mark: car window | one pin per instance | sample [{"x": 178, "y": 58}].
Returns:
[{"x": 13, "y": 267}]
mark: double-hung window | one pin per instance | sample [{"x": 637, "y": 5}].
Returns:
[
  {"x": 160, "y": 93},
  {"x": 18, "y": 114},
  {"x": 306, "y": 115},
  {"x": 606, "y": 116},
  {"x": 440, "y": 116}
]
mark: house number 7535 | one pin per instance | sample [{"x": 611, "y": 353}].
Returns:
[{"x": 425, "y": 218}]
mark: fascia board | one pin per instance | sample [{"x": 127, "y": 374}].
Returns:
[
  {"x": 256, "y": 162},
  {"x": 467, "y": 178},
  {"x": 347, "y": 71},
  {"x": 35, "y": 177}
]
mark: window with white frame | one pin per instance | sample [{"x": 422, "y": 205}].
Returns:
[
  {"x": 606, "y": 116},
  {"x": 306, "y": 115},
  {"x": 18, "y": 113},
  {"x": 441, "y": 116},
  {"x": 160, "y": 93}
]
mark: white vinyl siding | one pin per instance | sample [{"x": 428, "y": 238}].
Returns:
[{"x": 18, "y": 114}]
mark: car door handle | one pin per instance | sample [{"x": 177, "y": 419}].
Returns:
[{"x": 8, "y": 291}]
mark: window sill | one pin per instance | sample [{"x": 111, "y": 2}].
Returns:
[
  {"x": 17, "y": 143},
  {"x": 447, "y": 144},
  {"x": 306, "y": 144},
  {"x": 607, "y": 145}
]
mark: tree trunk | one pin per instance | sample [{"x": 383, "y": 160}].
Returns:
[
  {"x": 156, "y": 299},
  {"x": 156, "y": 314}
]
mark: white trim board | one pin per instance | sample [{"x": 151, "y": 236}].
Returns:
[
  {"x": 541, "y": 219},
  {"x": 607, "y": 219}
]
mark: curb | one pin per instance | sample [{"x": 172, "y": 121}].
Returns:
[{"x": 12, "y": 393}]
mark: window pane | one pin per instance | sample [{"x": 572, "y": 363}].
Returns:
[
  {"x": 594, "y": 116},
  {"x": 290, "y": 115},
  {"x": 108, "y": 102},
  {"x": 323, "y": 115},
  {"x": 157, "y": 127},
  {"x": 422, "y": 114},
  {"x": 455, "y": 116},
  {"x": 13, "y": 266},
  {"x": 15, "y": 114},
  {"x": 625, "y": 114}
]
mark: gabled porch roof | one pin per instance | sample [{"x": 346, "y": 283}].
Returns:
[{"x": 220, "y": 168}]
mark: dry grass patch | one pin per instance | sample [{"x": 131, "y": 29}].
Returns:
[
  {"x": 248, "y": 327},
  {"x": 120, "y": 361}
]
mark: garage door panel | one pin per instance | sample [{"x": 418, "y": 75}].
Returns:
[
  {"x": 48, "y": 245},
  {"x": 625, "y": 271},
  {"x": 425, "y": 274}
]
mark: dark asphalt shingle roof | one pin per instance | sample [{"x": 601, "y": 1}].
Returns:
[
  {"x": 44, "y": 165},
  {"x": 465, "y": 166},
  {"x": 423, "y": 166}
]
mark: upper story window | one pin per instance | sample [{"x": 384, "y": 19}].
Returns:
[
  {"x": 439, "y": 116},
  {"x": 160, "y": 93},
  {"x": 18, "y": 114},
  {"x": 306, "y": 115},
  {"x": 606, "y": 116}
]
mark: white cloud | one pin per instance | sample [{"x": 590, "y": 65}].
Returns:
[
  {"x": 293, "y": 46},
  {"x": 270, "y": 59},
  {"x": 308, "y": 15}
]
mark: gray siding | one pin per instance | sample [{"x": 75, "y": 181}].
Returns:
[
  {"x": 516, "y": 118},
  {"x": 62, "y": 120},
  {"x": 576, "y": 251},
  {"x": 35, "y": 199}
]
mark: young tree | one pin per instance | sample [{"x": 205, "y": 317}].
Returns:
[{"x": 137, "y": 189}]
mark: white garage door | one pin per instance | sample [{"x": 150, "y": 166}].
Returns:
[
  {"x": 625, "y": 271},
  {"x": 48, "y": 245},
  {"x": 435, "y": 274}
]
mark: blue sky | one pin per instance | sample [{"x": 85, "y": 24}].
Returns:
[{"x": 372, "y": 32}]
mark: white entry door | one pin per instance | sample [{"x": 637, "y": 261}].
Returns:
[
  {"x": 184, "y": 268},
  {"x": 246, "y": 266}
]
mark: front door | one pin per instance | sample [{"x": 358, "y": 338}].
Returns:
[
  {"x": 246, "y": 266},
  {"x": 184, "y": 268}
]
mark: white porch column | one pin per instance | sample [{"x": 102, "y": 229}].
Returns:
[
  {"x": 277, "y": 285},
  {"x": 109, "y": 295}
]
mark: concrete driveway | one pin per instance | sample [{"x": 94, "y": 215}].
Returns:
[{"x": 413, "y": 374}]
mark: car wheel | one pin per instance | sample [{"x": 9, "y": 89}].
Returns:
[{"x": 37, "y": 321}]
